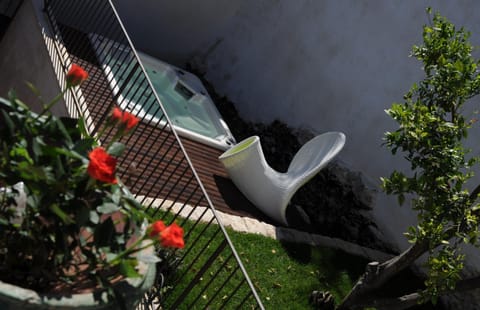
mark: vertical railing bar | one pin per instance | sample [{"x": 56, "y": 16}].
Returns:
[
  {"x": 115, "y": 61},
  {"x": 152, "y": 186},
  {"x": 192, "y": 208},
  {"x": 192, "y": 194},
  {"x": 148, "y": 125},
  {"x": 221, "y": 287},
  {"x": 163, "y": 142},
  {"x": 135, "y": 89},
  {"x": 240, "y": 306},
  {"x": 48, "y": 11},
  {"x": 94, "y": 19},
  {"x": 110, "y": 33},
  {"x": 198, "y": 220},
  {"x": 225, "y": 282},
  {"x": 212, "y": 278},
  {"x": 156, "y": 167},
  {"x": 58, "y": 6},
  {"x": 197, "y": 257},
  {"x": 127, "y": 38},
  {"x": 168, "y": 162},
  {"x": 132, "y": 79},
  {"x": 175, "y": 184},
  {"x": 176, "y": 164},
  {"x": 124, "y": 84},
  {"x": 149, "y": 206},
  {"x": 200, "y": 273},
  {"x": 115, "y": 97},
  {"x": 233, "y": 293},
  {"x": 192, "y": 229}
]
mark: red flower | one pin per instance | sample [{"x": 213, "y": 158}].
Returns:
[
  {"x": 128, "y": 120},
  {"x": 76, "y": 75},
  {"x": 156, "y": 228},
  {"x": 172, "y": 236},
  {"x": 102, "y": 166},
  {"x": 117, "y": 114}
]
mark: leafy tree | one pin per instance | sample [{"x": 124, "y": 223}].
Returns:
[{"x": 430, "y": 136}]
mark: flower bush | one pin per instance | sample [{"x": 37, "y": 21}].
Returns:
[{"x": 64, "y": 214}]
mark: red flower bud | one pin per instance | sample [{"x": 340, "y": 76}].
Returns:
[
  {"x": 76, "y": 75},
  {"x": 102, "y": 166},
  {"x": 117, "y": 114},
  {"x": 128, "y": 120},
  {"x": 156, "y": 228},
  {"x": 172, "y": 236}
]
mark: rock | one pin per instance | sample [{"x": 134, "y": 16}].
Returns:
[{"x": 322, "y": 300}]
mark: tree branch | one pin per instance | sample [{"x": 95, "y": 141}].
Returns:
[
  {"x": 378, "y": 274},
  {"x": 474, "y": 195},
  {"x": 410, "y": 300}
]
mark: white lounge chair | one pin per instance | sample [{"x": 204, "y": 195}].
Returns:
[{"x": 269, "y": 190}]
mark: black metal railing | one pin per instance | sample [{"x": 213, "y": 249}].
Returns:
[{"x": 208, "y": 273}]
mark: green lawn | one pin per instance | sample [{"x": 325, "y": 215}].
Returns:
[{"x": 284, "y": 274}]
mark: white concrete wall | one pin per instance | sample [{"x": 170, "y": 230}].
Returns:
[{"x": 321, "y": 64}]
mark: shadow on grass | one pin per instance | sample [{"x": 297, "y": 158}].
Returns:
[{"x": 339, "y": 272}]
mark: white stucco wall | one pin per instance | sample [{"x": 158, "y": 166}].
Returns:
[{"x": 325, "y": 65}]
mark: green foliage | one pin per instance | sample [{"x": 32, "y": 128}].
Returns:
[
  {"x": 68, "y": 219},
  {"x": 430, "y": 136}
]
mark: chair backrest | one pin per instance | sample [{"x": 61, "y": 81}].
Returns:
[{"x": 315, "y": 155}]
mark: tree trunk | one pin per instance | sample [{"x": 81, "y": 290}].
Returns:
[
  {"x": 410, "y": 300},
  {"x": 377, "y": 275}
]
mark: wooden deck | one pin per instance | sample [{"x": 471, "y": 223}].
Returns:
[{"x": 154, "y": 164}]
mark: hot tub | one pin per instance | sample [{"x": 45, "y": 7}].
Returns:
[{"x": 182, "y": 95}]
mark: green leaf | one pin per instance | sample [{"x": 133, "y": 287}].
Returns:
[
  {"x": 83, "y": 146},
  {"x": 82, "y": 215},
  {"x": 127, "y": 268},
  {"x": 8, "y": 122},
  {"x": 94, "y": 218},
  {"x": 36, "y": 149},
  {"x": 107, "y": 208},
  {"x": 81, "y": 127},
  {"x": 116, "y": 149},
  {"x": 63, "y": 130},
  {"x": 149, "y": 258},
  {"x": 55, "y": 208},
  {"x": 22, "y": 152},
  {"x": 116, "y": 195}
]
